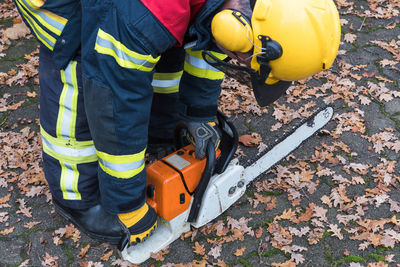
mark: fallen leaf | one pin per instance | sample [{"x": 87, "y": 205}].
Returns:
[
  {"x": 31, "y": 94},
  {"x": 199, "y": 249},
  {"x": 7, "y": 231},
  {"x": 83, "y": 251},
  {"x": 17, "y": 31},
  {"x": 215, "y": 252},
  {"x": 288, "y": 263},
  {"x": 250, "y": 140},
  {"x": 239, "y": 251},
  {"x": 106, "y": 256},
  {"x": 349, "y": 37}
]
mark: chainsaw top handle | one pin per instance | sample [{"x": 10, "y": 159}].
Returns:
[{"x": 205, "y": 179}]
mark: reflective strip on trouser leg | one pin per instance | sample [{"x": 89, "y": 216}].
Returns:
[
  {"x": 122, "y": 166},
  {"x": 71, "y": 151},
  {"x": 69, "y": 181},
  {"x": 198, "y": 67},
  {"x": 68, "y": 103},
  {"x": 166, "y": 83},
  {"x": 70, "y": 165}
]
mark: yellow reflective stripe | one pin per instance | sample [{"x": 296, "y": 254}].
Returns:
[
  {"x": 108, "y": 45},
  {"x": 203, "y": 73},
  {"x": 68, "y": 102},
  {"x": 166, "y": 83},
  {"x": 74, "y": 102},
  {"x": 41, "y": 34},
  {"x": 122, "y": 174},
  {"x": 51, "y": 21},
  {"x": 198, "y": 67},
  {"x": 71, "y": 151},
  {"x": 37, "y": 4},
  {"x": 117, "y": 159},
  {"x": 122, "y": 166},
  {"x": 198, "y": 54},
  {"x": 69, "y": 181},
  {"x": 61, "y": 105},
  {"x": 167, "y": 75}
]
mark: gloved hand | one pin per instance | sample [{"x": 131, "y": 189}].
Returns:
[{"x": 202, "y": 133}]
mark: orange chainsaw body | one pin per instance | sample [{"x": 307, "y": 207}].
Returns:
[{"x": 172, "y": 180}]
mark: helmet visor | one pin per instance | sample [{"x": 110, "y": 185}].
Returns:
[{"x": 265, "y": 94}]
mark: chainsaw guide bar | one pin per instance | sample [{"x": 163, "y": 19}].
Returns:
[{"x": 226, "y": 188}]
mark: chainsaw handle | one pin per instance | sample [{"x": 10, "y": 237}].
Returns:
[
  {"x": 205, "y": 179},
  {"x": 229, "y": 142}
]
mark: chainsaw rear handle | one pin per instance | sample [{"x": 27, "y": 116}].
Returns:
[{"x": 228, "y": 145}]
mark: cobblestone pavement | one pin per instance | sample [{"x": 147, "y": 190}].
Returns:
[{"x": 331, "y": 203}]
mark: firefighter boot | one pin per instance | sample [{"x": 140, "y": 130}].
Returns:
[
  {"x": 140, "y": 223},
  {"x": 96, "y": 222}
]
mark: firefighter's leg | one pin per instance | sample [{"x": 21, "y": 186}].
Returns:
[
  {"x": 118, "y": 63},
  {"x": 164, "y": 110},
  {"x": 69, "y": 157},
  {"x": 200, "y": 87}
]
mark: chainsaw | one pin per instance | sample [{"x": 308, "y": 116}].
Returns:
[{"x": 186, "y": 191}]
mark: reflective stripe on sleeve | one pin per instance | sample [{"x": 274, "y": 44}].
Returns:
[
  {"x": 44, "y": 37},
  {"x": 166, "y": 83},
  {"x": 108, "y": 45},
  {"x": 198, "y": 67},
  {"x": 49, "y": 20},
  {"x": 71, "y": 151},
  {"x": 69, "y": 181},
  {"x": 122, "y": 166}
]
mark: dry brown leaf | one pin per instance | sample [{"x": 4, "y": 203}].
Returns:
[
  {"x": 29, "y": 225},
  {"x": 239, "y": 251},
  {"x": 215, "y": 251},
  {"x": 5, "y": 199},
  {"x": 7, "y": 231},
  {"x": 199, "y": 249},
  {"x": 286, "y": 215},
  {"x": 288, "y": 263},
  {"x": 31, "y": 94},
  {"x": 106, "y": 255},
  {"x": 50, "y": 261},
  {"x": 250, "y": 140},
  {"x": 83, "y": 251},
  {"x": 17, "y": 31},
  {"x": 259, "y": 232}
]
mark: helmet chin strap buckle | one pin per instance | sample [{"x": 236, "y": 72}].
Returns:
[{"x": 271, "y": 50}]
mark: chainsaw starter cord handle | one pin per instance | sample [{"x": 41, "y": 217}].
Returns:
[{"x": 205, "y": 179}]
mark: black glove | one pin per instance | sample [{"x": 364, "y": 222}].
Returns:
[{"x": 201, "y": 134}]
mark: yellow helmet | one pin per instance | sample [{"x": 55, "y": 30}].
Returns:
[
  {"x": 307, "y": 30},
  {"x": 288, "y": 39}
]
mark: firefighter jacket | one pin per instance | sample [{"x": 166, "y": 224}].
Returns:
[{"x": 57, "y": 24}]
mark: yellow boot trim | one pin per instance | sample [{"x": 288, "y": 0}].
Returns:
[
  {"x": 131, "y": 218},
  {"x": 142, "y": 236}
]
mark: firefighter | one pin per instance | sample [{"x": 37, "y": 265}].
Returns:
[{"x": 116, "y": 75}]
